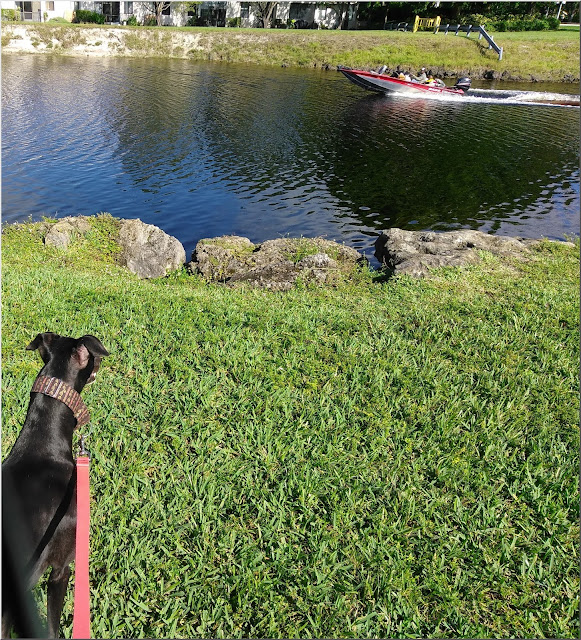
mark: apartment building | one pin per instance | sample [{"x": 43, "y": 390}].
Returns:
[{"x": 303, "y": 14}]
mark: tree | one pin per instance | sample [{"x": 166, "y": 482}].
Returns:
[
  {"x": 341, "y": 11},
  {"x": 264, "y": 13},
  {"x": 161, "y": 7}
]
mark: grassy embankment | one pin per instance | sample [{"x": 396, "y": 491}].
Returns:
[
  {"x": 379, "y": 459},
  {"x": 548, "y": 56}
]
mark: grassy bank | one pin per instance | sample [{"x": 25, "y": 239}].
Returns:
[
  {"x": 379, "y": 459},
  {"x": 547, "y": 56}
]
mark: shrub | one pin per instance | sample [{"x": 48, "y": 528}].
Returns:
[
  {"x": 150, "y": 21},
  {"x": 512, "y": 23},
  {"x": 234, "y": 22},
  {"x": 59, "y": 20},
  {"x": 132, "y": 21},
  {"x": 83, "y": 16},
  {"x": 11, "y": 15},
  {"x": 476, "y": 20}
]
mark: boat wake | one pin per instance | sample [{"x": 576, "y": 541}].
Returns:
[
  {"x": 523, "y": 97},
  {"x": 503, "y": 96}
]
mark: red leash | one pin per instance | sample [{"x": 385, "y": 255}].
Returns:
[{"x": 81, "y": 615}]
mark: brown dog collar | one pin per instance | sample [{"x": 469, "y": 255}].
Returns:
[{"x": 62, "y": 391}]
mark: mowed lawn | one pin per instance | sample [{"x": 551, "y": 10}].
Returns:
[{"x": 385, "y": 458}]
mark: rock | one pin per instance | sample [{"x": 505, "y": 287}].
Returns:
[
  {"x": 416, "y": 252},
  {"x": 274, "y": 264},
  {"x": 148, "y": 251},
  {"x": 276, "y": 277},
  {"x": 317, "y": 261},
  {"x": 218, "y": 259},
  {"x": 491, "y": 75},
  {"x": 60, "y": 234}
]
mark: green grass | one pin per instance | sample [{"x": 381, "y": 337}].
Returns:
[
  {"x": 544, "y": 55},
  {"x": 378, "y": 459}
]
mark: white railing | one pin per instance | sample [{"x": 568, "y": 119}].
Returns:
[{"x": 480, "y": 30}]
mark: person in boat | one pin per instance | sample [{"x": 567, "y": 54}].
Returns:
[{"x": 421, "y": 77}]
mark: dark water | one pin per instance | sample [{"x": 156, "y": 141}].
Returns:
[{"x": 208, "y": 149}]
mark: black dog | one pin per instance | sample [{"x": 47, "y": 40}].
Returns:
[{"x": 39, "y": 508}]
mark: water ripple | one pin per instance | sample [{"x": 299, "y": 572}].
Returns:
[{"x": 207, "y": 149}]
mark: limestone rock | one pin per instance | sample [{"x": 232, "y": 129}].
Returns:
[
  {"x": 148, "y": 251},
  {"x": 217, "y": 259},
  {"x": 61, "y": 233},
  {"x": 274, "y": 264},
  {"x": 416, "y": 252},
  {"x": 491, "y": 74}
]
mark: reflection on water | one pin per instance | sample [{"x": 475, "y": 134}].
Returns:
[{"x": 207, "y": 149}]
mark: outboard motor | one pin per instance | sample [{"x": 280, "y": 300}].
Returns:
[
  {"x": 382, "y": 69},
  {"x": 463, "y": 83}
]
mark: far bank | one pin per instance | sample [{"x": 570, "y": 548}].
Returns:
[{"x": 551, "y": 56}]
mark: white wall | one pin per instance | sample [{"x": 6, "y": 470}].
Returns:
[{"x": 311, "y": 11}]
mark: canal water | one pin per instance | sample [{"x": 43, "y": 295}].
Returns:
[{"x": 205, "y": 149}]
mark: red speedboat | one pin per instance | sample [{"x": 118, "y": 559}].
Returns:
[{"x": 378, "y": 81}]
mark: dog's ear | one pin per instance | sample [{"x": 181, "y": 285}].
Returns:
[
  {"x": 88, "y": 346},
  {"x": 94, "y": 346},
  {"x": 42, "y": 342}
]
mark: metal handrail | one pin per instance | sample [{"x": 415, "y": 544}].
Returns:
[
  {"x": 468, "y": 28},
  {"x": 396, "y": 26}
]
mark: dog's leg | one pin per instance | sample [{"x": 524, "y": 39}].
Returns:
[{"x": 55, "y": 598}]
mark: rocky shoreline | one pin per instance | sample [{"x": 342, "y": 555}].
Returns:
[{"x": 283, "y": 263}]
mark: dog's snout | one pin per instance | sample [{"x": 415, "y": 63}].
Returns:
[{"x": 96, "y": 366}]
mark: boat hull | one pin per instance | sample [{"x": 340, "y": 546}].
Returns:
[{"x": 380, "y": 83}]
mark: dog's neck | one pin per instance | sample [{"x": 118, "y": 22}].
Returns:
[{"x": 60, "y": 390}]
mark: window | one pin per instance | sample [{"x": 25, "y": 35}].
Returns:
[
  {"x": 298, "y": 11},
  {"x": 129, "y": 8},
  {"x": 166, "y": 11},
  {"x": 245, "y": 10},
  {"x": 50, "y": 5}
]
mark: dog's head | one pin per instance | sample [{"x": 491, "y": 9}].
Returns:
[{"x": 74, "y": 360}]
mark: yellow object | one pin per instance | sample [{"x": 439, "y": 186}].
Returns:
[{"x": 426, "y": 23}]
